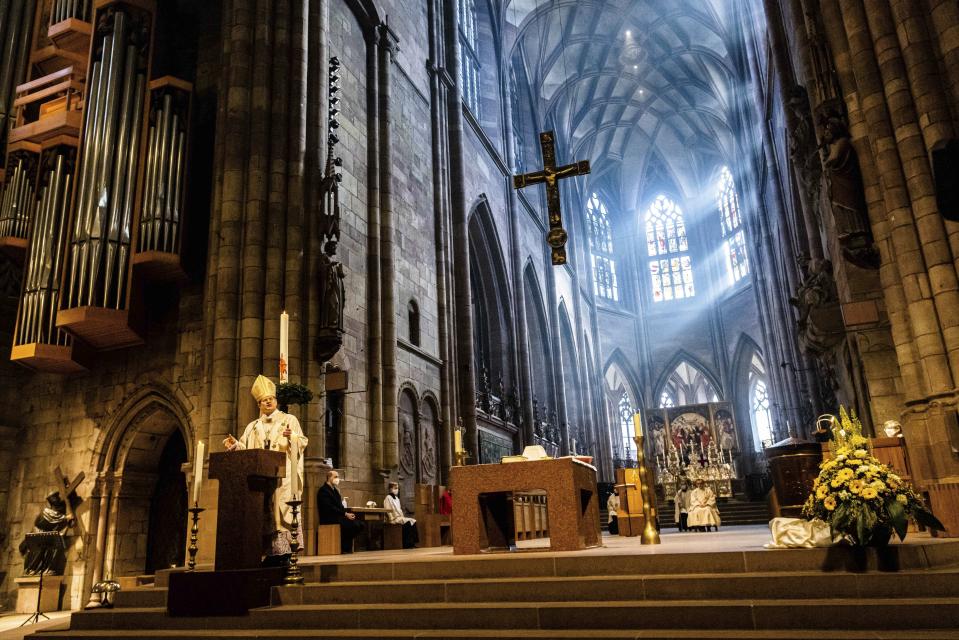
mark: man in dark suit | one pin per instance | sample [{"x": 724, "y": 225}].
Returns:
[{"x": 330, "y": 506}]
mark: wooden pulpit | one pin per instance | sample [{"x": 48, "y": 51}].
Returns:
[
  {"x": 630, "y": 517},
  {"x": 248, "y": 479}
]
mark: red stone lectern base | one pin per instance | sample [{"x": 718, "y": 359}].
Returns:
[{"x": 484, "y": 504}]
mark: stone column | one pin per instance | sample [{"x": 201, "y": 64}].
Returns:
[
  {"x": 465, "y": 375},
  {"x": 439, "y": 84},
  {"x": 943, "y": 16},
  {"x": 388, "y": 42},
  {"x": 16, "y": 36},
  {"x": 915, "y": 246}
]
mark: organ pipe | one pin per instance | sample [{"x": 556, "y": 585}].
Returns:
[
  {"x": 99, "y": 247},
  {"x": 41, "y": 287},
  {"x": 165, "y": 173},
  {"x": 18, "y": 200},
  {"x": 61, "y": 10}
]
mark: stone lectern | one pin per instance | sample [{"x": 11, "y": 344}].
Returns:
[{"x": 248, "y": 479}]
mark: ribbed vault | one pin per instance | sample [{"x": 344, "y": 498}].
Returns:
[{"x": 629, "y": 84}]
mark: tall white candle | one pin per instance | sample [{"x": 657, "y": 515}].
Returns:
[
  {"x": 198, "y": 471},
  {"x": 284, "y": 346},
  {"x": 457, "y": 441},
  {"x": 572, "y": 446},
  {"x": 638, "y": 425},
  {"x": 294, "y": 466}
]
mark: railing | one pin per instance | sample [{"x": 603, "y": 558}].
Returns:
[{"x": 530, "y": 516}]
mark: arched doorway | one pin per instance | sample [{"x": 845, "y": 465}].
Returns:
[{"x": 142, "y": 519}]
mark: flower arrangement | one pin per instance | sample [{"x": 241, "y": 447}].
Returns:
[
  {"x": 861, "y": 498},
  {"x": 288, "y": 393}
]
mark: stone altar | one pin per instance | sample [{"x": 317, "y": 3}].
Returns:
[{"x": 484, "y": 505}]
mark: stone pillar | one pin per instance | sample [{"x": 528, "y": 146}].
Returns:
[
  {"x": 465, "y": 375},
  {"x": 439, "y": 86},
  {"x": 387, "y": 304}
]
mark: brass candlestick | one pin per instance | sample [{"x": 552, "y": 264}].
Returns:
[
  {"x": 293, "y": 574},
  {"x": 650, "y": 535},
  {"x": 196, "y": 510},
  {"x": 459, "y": 457}
]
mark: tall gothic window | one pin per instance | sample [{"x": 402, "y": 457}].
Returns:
[
  {"x": 759, "y": 405},
  {"x": 469, "y": 59},
  {"x": 670, "y": 267},
  {"x": 601, "y": 249},
  {"x": 666, "y": 400},
  {"x": 626, "y": 426},
  {"x": 734, "y": 238}
]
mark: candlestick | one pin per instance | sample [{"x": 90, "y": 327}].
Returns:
[
  {"x": 457, "y": 440},
  {"x": 195, "y": 511},
  {"x": 294, "y": 465},
  {"x": 650, "y": 535},
  {"x": 638, "y": 425},
  {"x": 293, "y": 573},
  {"x": 284, "y": 346},
  {"x": 198, "y": 471}
]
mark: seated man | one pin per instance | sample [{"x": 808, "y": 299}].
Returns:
[
  {"x": 332, "y": 510},
  {"x": 396, "y": 516},
  {"x": 703, "y": 513}
]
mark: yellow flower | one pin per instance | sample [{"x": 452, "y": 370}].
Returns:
[
  {"x": 856, "y": 486},
  {"x": 829, "y": 503},
  {"x": 822, "y": 491},
  {"x": 878, "y": 485},
  {"x": 860, "y": 453},
  {"x": 902, "y": 499},
  {"x": 815, "y": 482},
  {"x": 836, "y": 482},
  {"x": 845, "y": 474},
  {"x": 827, "y": 465},
  {"x": 869, "y": 493}
]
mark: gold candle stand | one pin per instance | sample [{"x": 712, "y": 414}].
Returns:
[
  {"x": 650, "y": 535},
  {"x": 195, "y": 511},
  {"x": 293, "y": 573}
]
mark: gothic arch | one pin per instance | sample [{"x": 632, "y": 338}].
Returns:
[
  {"x": 684, "y": 356},
  {"x": 538, "y": 335},
  {"x": 141, "y": 515},
  {"x": 408, "y": 413},
  {"x": 618, "y": 359}
]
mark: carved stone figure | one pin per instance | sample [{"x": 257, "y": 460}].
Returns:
[
  {"x": 52, "y": 519},
  {"x": 846, "y": 191},
  {"x": 332, "y": 294},
  {"x": 802, "y": 145},
  {"x": 820, "y": 322}
]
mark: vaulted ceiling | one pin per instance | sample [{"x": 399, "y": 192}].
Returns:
[{"x": 644, "y": 89}]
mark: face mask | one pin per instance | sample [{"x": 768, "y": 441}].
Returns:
[
  {"x": 395, "y": 492},
  {"x": 336, "y": 482}
]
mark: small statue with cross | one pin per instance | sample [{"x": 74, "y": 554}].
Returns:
[
  {"x": 54, "y": 520},
  {"x": 551, "y": 175}
]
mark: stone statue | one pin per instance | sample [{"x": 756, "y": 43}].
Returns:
[
  {"x": 332, "y": 294},
  {"x": 820, "y": 323},
  {"x": 846, "y": 190},
  {"x": 802, "y": 145},
  {"x": 52, "y": 519}
]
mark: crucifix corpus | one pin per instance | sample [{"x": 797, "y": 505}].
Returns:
[{"x": 551, "y": 175}]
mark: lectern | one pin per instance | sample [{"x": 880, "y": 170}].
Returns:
[{"x": 248, "y": 479}]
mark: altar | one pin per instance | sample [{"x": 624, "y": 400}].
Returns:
[{"x": 483, "y": 518}]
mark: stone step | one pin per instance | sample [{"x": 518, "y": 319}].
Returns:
[
  {"x": 504, "y": 634},
  {"x": 607, "y": 588},
  {"x": 829, "y": 560},
  {"x": 785, "y": 614},
  {"x": 619, "y": 588}
]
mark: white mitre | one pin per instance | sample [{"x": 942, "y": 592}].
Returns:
[{"x": 263, "y": 387}]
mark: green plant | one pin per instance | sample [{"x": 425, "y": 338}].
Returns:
[
  {"x": 288, "y": 393},
  {"x": 862, "y": 499}
]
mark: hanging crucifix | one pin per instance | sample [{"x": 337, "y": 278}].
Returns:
[{"x": 551, "y": 175}]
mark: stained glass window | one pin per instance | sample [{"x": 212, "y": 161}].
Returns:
[
  {"x": 469, "y": 59},
  {"x": 666, "y": 400},
  {"x": 670, "y": 267},
  {"x": 760, "y": 408},
  {"x": 734, "y": 238},
  {"x": 601, "y": 246},
  {"x": 626, "y": 423}
]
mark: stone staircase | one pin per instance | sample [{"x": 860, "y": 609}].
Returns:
[{"x": 822, "y": 593}]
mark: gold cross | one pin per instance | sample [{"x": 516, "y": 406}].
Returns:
[{"x": 551, "y": 175}]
